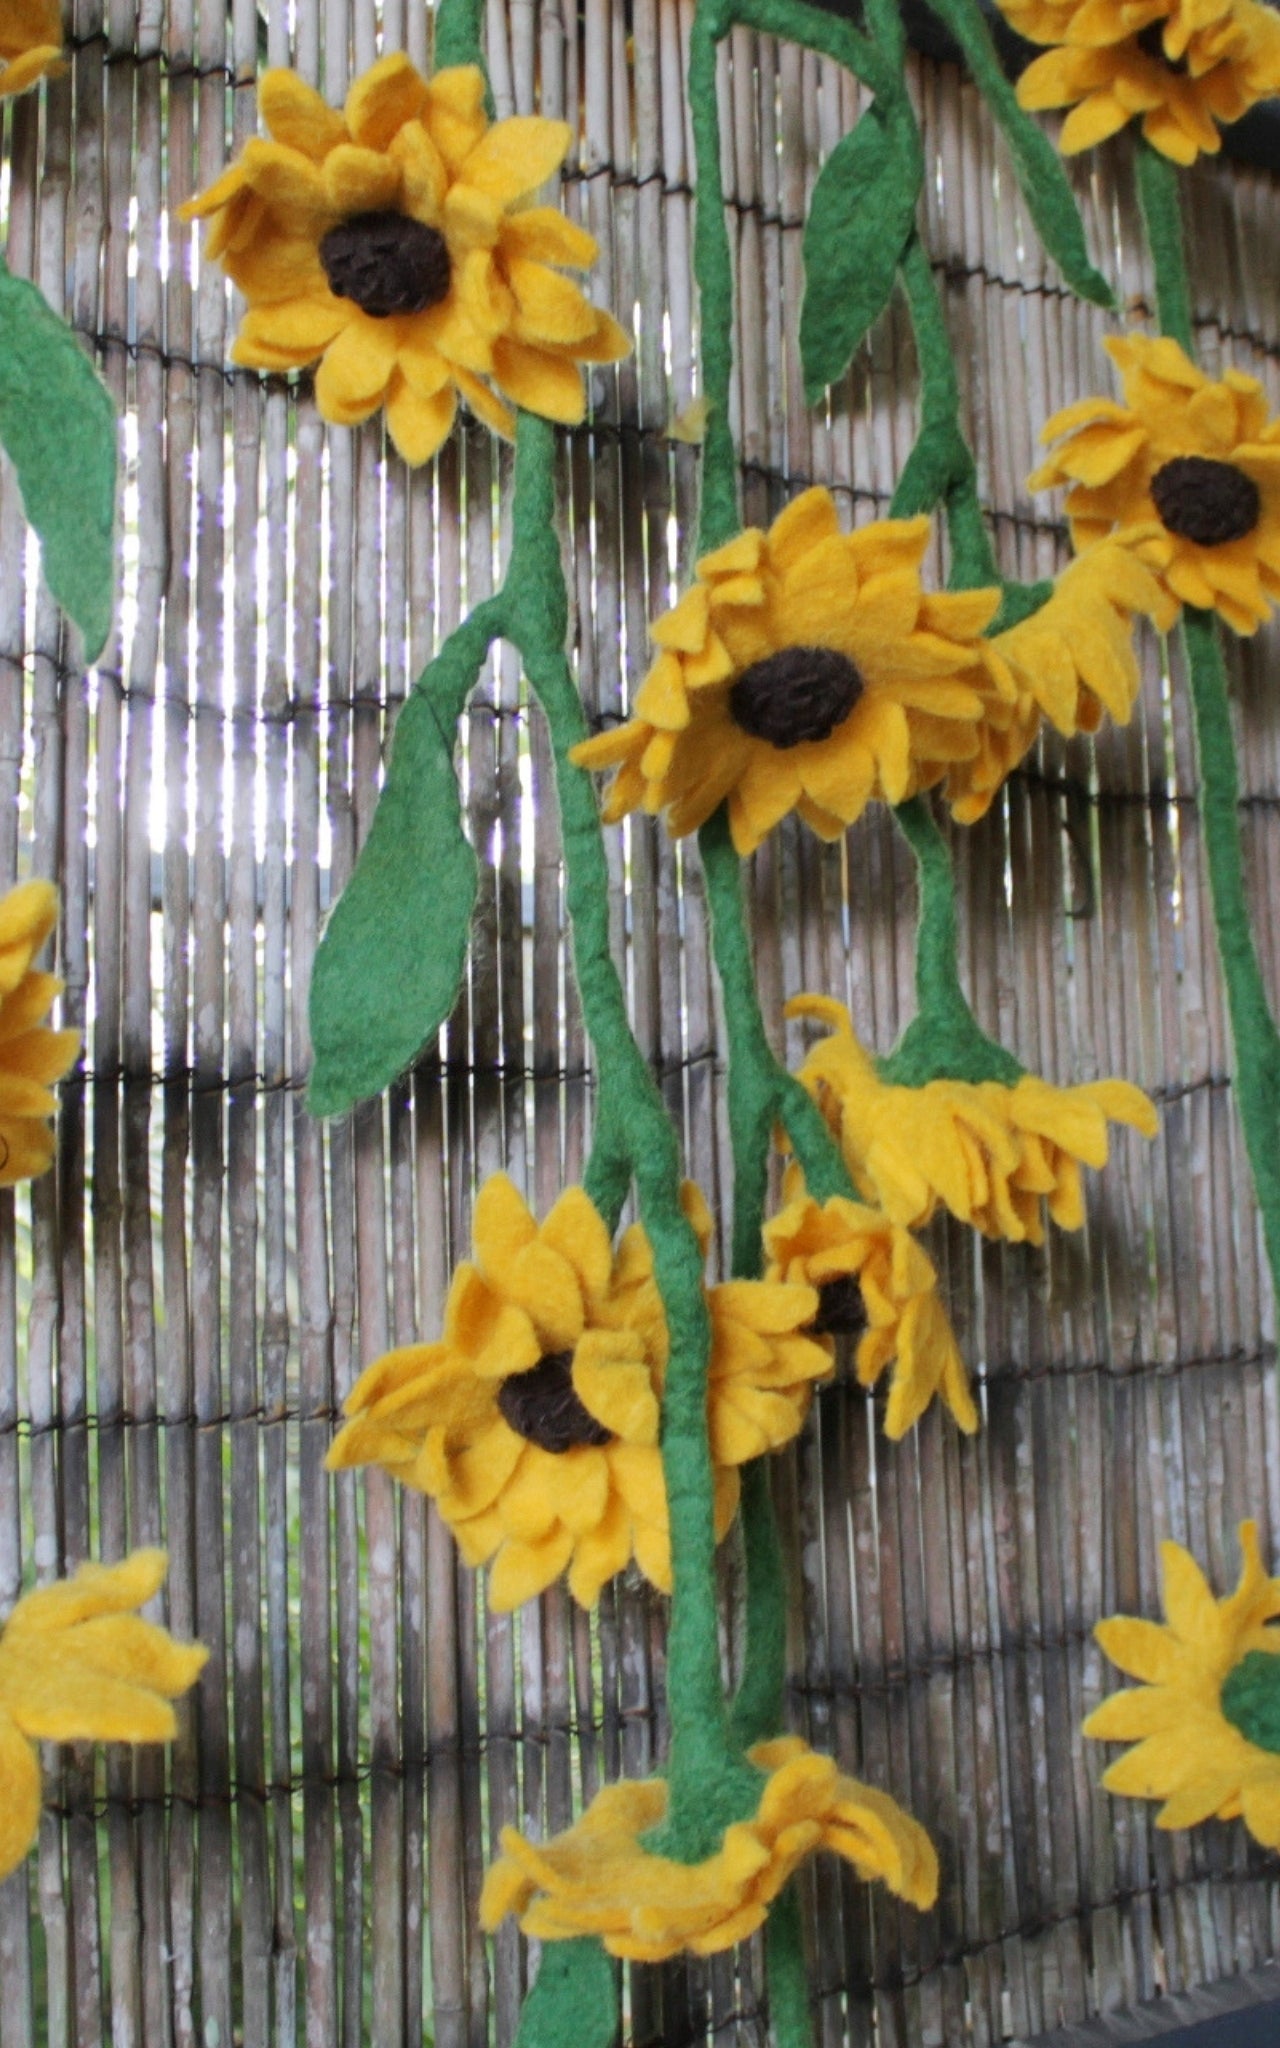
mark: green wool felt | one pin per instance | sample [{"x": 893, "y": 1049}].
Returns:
[
  {"x": 1160, "y": 200},
  {"x": 756, "y": 1715},
  {"x": 1250, "y": 1699},
  {"x": 1041, "y": 178},
  {"x": 710, "y": 1783},
  {"x": 718, "y": 518},
  {"x": 58, "y": 426},
  {"x": 1256, "y": 1043},
  {"x": 940, "y": 469},
  {"x": 753, "y": 1070},
  {"x": 877, "y": 63},
  {"x": 1020, "y": 600},
  {"x": 574, "y": 2003},
  {"x": 944, "y": 1039},
  {"x": 387, "y": 970},
  {"x": 790, "y": 2021},
  {"x": 860, "y": 217}
]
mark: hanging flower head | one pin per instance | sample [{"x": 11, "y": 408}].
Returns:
[
  {"x": 1183, "y": 65},
  {"x": 534, "y": 1423},
  {"x": 785, "y": 678},
  {"x": 877, "y": 1284},
  {"x": 1187, "y": 471},
  {"x": 994, "y": 1155},
  {"x": 1069, "y": 662},
  {"x": 394, "y": 245},
  {"x": 1205, "y": 1718},
  {"x": 599, "y": 1879},
  {"x": 77, "y": 1665},
  {"x": 30, "y": 43},
  {"x": 31, "y": 1056}
]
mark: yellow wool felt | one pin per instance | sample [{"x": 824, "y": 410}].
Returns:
[
  {"x": 1107, "y": 455},
  {"x": 30, "y": 43},
  {"x": 31, "y": 1057},
  {"x": 1217, "y": 62},
  {"x": 992, "y": 1154},
  {"x": 431, "y": 1414},
  {"x": 1186, "y": 1753},
  {"x": 598, "y": 1878},
  {"x": 908, "y": 1332},
  {"x": 78, "y": 1665},
  {"x": 1070, "y": 661},
  {"x": 801, "y": 584},
  {"x": 511, "y": 329}
]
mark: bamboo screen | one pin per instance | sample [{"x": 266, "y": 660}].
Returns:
[{"x": 183, "y": 1305}]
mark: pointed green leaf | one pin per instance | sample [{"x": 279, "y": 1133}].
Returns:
[
  {"x": 862, "y": 211},
  {"x": 574, "y": 2003},
  {"x": 58, "y": 425},
  {"x": 1043, "y": 182},
  {"x": 387, "y": 970}
]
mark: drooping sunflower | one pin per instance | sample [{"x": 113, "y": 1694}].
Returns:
[
  {"x": 785, "y": 677},
  {"x": 78, "y": 1665},
  {"x": 994, "y": 1155},
  {"x": 598, "y": 1879},
  {"x": 1186, "y": 471},
  {"x": 1069, "y": 662},
  {"x": 875, "y": 1283},
  {"x": 534, "y": 1422},
  {"x": 30, "y": 43},
  {"x": 1185, "y": 66},
  {"x": 31, "y": 1056},
  {"x": 394, "y": 245},
  {"x": 1205, "y": 1717}
]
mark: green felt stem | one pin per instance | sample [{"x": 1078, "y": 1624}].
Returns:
[
  {"x": 757, "y": 1708},
  {"x": 829, "y": 34},
  {"x": 1254, "y": 1036},
  {"x": 458, "y": 34},
  {"x": 788, "y": 1975},
  {"x": 710, "y": 1784},
  {"x": 753, "y": 1070},
  {"x": 1161, "y": 203},
  {"x": 941, "y": 468},
  {"x": 944, "y": 1037},
  {"x": 606, "y": 1177},
  {"x": 1253, "y": 1029},
  {"x": 718, "y": 517}
]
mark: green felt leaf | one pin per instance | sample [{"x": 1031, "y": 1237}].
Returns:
[
  {"x": 387, "y": 969},
  {"x": 1251, "y": 1699},
  {"x": 58, "y": 424},
  {"x": 861, "y": 214},
  {"x": 574, "y": 2003},
  {"x": 1044, "y": 184}
]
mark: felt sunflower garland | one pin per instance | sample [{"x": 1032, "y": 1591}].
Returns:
[{"x": 592, "y": 1401}]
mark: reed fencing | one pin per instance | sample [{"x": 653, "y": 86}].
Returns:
[{"x": 185, "y": 1302}]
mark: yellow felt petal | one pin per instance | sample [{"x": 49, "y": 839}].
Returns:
[
  {"x": 296, "y": 114},
  {"x": 522, "y": 1570},
  {"x": 19, "y": 1795},
  {"x": 419, "y": 426},
  {"x": 516, "y": 156},
  {"x": 540, "y": 381},
  {"x": 360, "y": 180},
  {"x": 28, "y": 913},
  {"x": 543, "y": 234},
  {"x": 617, "y": 1389},
  {"x": 383, "y": 98}
]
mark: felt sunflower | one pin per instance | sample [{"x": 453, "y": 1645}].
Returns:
[
  {"x": 1069, "y": 662},
  {"x": 31, "y": 1056},
  {"x": 599, "y": 1879},
  {"x": 1187, "y": 470},
  {"x": 534, "y": 1423},
  {"x": 877, "y": 1284},
  {"x": 30, "y": 43},
  {"x": 993, "y": 1155},
  {"x": 785, "y": 677},
  {"x": 1183, "y": 65},
  {"x": 1205, "y": 1719},
  {"x": 78, "y": 1665},
  {"x": 394, "y": 245}
]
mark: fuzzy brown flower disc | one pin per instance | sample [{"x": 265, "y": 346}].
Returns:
[
  {"x": 386, "y": 263},
  {"x": 1206, "y": 502},
  {"x": 542, "y": 1406},
  {"x": 841, "y": 1309},
  {"x": 798, "y": 694}
]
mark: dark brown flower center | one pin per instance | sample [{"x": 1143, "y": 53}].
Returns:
[
  {"x": 542, "y": 1406},
  {"x": 1206, "y": 502},
  {"x": 387, "y": 263},
  {"x": 1151, "y": 43},
  {"x": 841, "y": 1309},
  {"x": 800, "y": 693}
]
